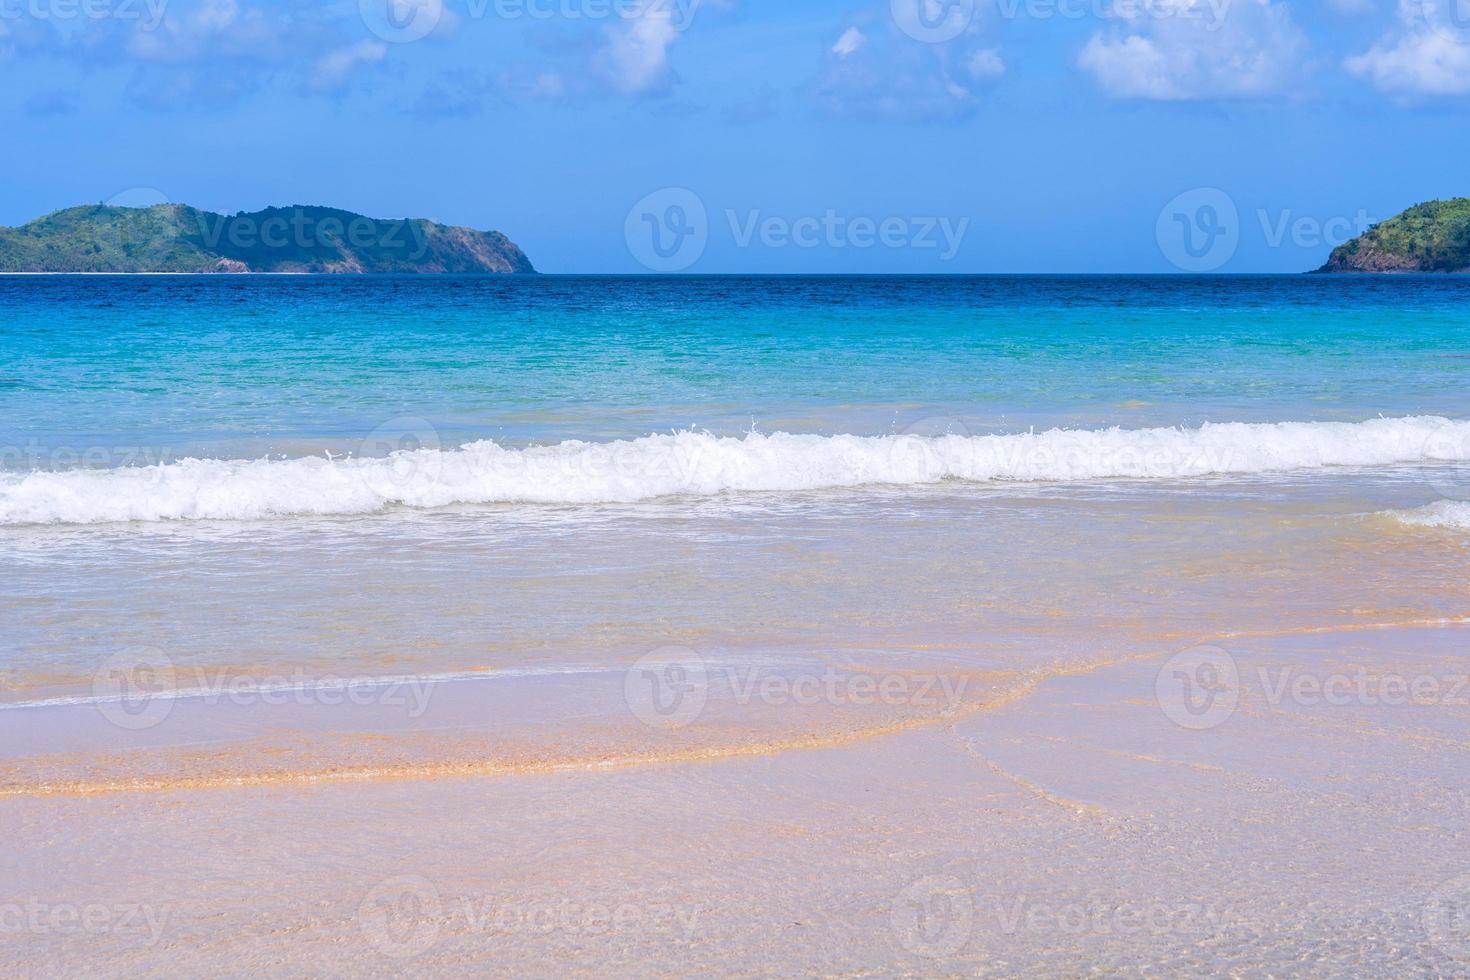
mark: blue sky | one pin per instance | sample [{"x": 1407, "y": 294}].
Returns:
[{"x": 814, "y": 135}]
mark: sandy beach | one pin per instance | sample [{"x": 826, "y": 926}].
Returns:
[
  {"x": 1283, "y": 793},
  {"x": 1075, "y": 828}
]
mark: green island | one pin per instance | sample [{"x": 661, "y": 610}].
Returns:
[
  {"x": 1429, "y": 237},
  {"x": 298, "y": 239}
]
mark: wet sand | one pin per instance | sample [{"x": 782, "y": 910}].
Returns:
[
  {"x": 1196, "y": 733},
  {"x": 1076, "y": 828}
]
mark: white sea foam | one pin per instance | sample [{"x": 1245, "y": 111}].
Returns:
[
  {"x": 1444, "y": 513},
  {"x": 697, "y": 463}
]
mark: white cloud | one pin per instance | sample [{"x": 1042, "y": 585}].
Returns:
[
  {"x": 986, "y": 63},
  {"x": 332, "y": 72},
  {"x": 894, "y": 76},
  {"x": 211, "y": 29},
  {"x": 1419, "y": 60},
  {"x": 849, "y": 42},
  {"x": 636, "y": 56},
  {"x": 1195, "y": 49}
]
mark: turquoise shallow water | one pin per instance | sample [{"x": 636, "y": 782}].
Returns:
[
  {"x": 138, "y": 368},
  {"x": 854, "y": 466}
]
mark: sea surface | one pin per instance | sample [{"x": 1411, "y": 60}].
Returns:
[{"x": 300, "y": 476}]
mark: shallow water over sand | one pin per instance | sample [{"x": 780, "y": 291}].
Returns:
[{"x": 1142, "y": 716}]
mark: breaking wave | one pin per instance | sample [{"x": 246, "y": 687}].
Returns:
[
  {"x": 1443, "y": 513},
  {"x": 698, "y": 463}
]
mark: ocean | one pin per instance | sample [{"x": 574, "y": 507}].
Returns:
[{"x": 299, "y": 477}]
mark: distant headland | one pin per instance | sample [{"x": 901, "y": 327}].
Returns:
[
  {"x": 1429, "y": 237},
  {"x": 299, "y": 239}
]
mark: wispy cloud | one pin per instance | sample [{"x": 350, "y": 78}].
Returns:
[
  {"x": 635, "y": 57},
  {"x": 1200, "y": 49},
  {"x": 206, "y": 52},
  {"x": 333, "y": 71},
  {"x": 1429, "y": 54},
  {"x": 886, "y": 73}
]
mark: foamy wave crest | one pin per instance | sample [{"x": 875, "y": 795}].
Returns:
[
  {"x": 1444, "y": 513},
  {"x": 702, "y": 464}
]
